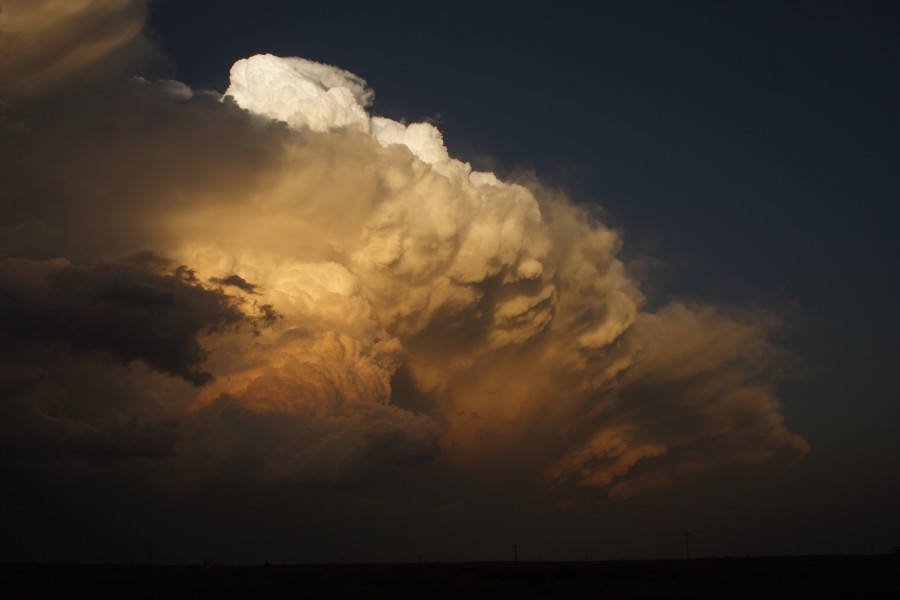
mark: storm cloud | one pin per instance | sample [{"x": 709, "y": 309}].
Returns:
[{"x": 329, "y": 254}]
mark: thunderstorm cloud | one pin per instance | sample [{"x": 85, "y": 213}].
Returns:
[{"x": 275, "y": 284}]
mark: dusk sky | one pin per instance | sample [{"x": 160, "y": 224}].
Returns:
[{"x": 322, "y": 282}]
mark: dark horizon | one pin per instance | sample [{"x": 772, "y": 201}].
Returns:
[{"x": 821, "y": 577}]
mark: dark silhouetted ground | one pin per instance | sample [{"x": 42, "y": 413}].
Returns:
[{"x": 770, "y": 577}]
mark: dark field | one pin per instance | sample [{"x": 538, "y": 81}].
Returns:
[{"x": 770, "y": 577}]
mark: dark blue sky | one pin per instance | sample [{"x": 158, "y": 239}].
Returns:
[{"x": 752, "y": 148}]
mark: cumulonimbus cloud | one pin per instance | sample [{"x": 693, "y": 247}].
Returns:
[{"x": 372, "y": 255}]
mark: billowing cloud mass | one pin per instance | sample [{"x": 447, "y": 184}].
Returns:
[{"x": 274, "y": 284}]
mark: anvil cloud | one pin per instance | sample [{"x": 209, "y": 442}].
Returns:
[{"x": 245, "y": 278}]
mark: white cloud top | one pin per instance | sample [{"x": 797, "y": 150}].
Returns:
[
  {"x": 304, "y": 93},
  {"x": 300, "y": 92}
]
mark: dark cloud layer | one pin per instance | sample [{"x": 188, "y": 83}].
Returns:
[
  {"x": 134, "y": 309},
  {"x": 235, "y": 281}
]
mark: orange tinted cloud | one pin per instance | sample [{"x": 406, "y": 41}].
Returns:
[{"x": 370, "y": 254}]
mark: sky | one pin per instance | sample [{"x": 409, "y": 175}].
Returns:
[{"x": 361, "y": 282}]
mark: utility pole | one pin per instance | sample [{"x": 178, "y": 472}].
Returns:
[
  {"x": 687, "y": 546},
  {"x": 515, "y": 553}
]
